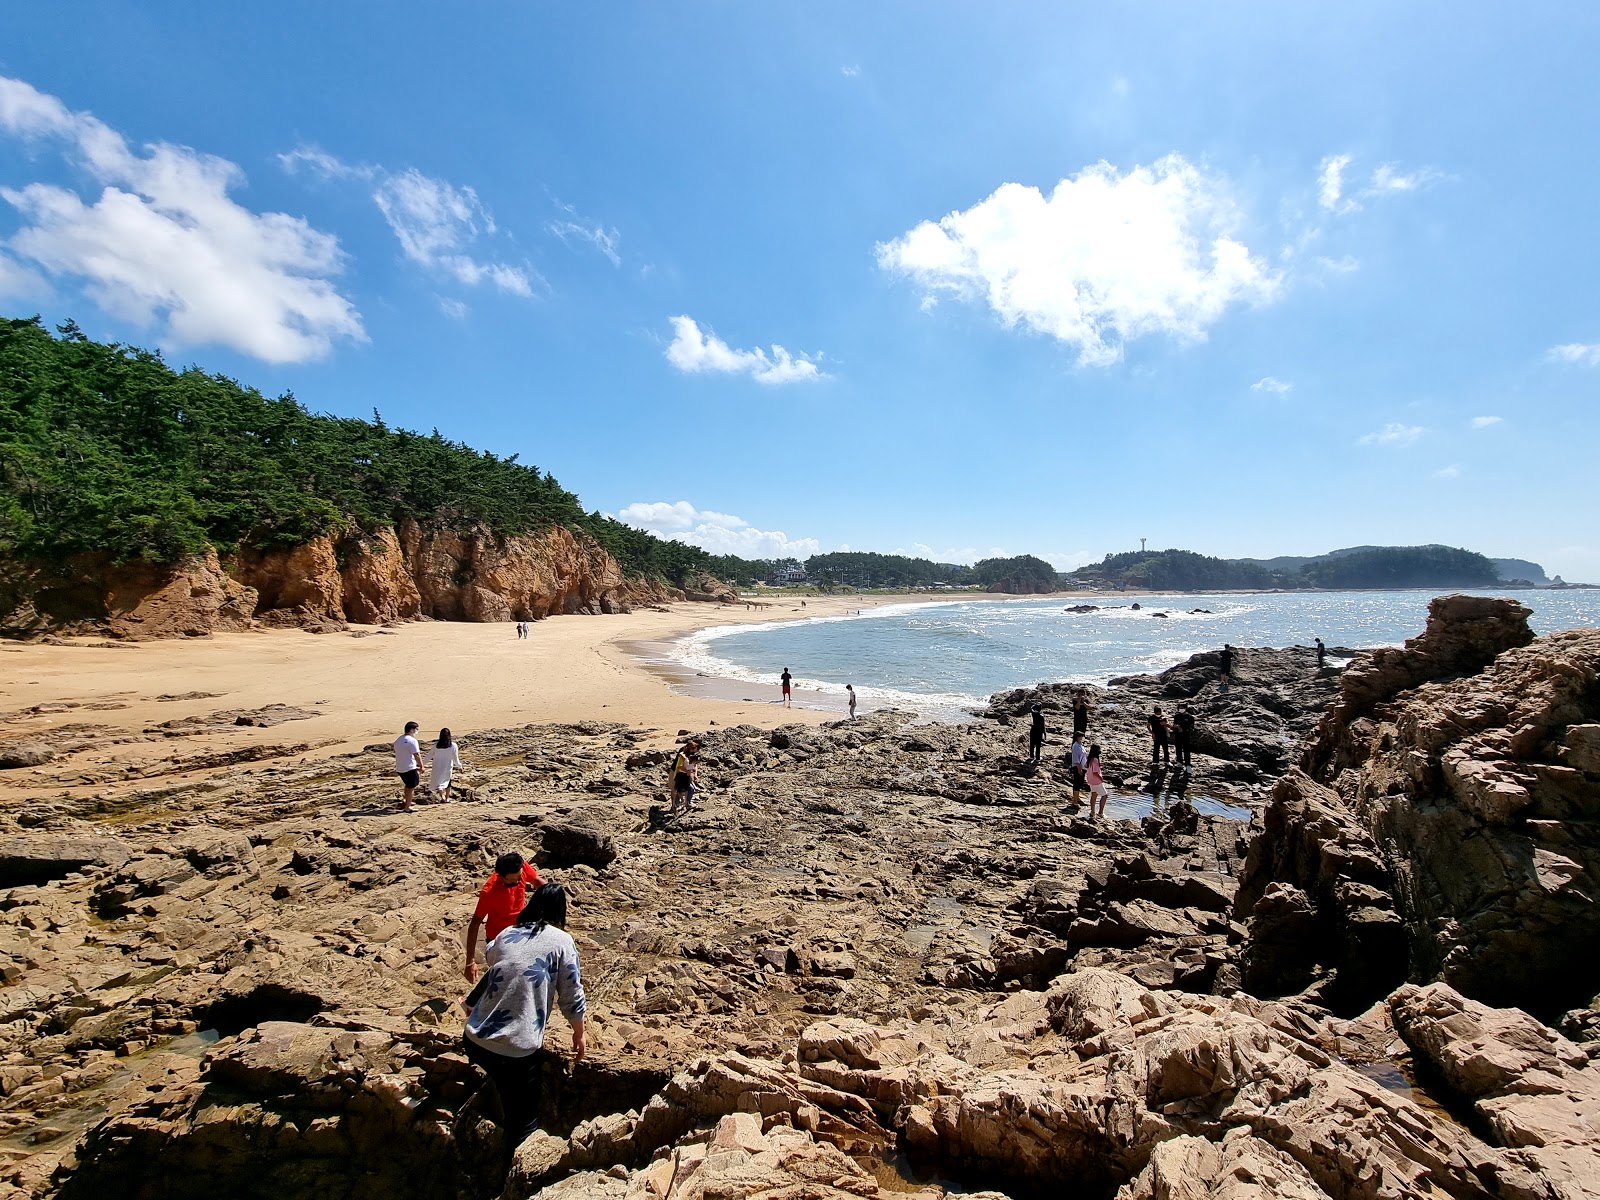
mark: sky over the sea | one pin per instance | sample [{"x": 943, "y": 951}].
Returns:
[{"x": 934, "y": 278}]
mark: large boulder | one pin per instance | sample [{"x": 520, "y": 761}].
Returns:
[{"x": 39, "y": 859}]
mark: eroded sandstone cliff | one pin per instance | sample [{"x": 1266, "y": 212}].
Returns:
[{"x": 364, "y": 577}]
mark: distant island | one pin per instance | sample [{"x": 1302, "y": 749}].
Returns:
[{"x": 139, "y": 497}]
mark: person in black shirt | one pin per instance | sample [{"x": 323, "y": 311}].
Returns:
[
  {"x": 1080, "y": 714},
  {"x": 1159, "y": 749},
  {"x": 785, "y": 679},
  {"x": 1322, "y": 654},
  {"x": 1225, "y": 666},
  {"x": 1036, "y": 735},
  {"x": 1183, "y": 733}
]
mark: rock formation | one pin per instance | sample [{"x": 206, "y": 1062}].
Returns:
[{"x": 362, "y": 577}]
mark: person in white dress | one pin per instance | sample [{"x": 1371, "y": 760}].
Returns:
[{"x": 444, "y": 757}]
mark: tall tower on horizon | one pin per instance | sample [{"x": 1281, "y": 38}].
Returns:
[{"x": 1141, "y": 545}]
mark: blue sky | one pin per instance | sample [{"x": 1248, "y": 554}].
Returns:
[{"x": 1249, "y": 279}]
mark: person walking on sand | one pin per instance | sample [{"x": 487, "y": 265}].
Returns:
[
  {"x": 1183, "y": 733},
  {"x": 1080, "y": 714},
  {"x": 408, "y": 762},
  {"x": 1036, "y": 735},
  {"x": 443, "y": 758},
  {"x": 1099, "y": 793},
  {"x": 500, "y": 899},
  {"x": 532, "y": 967},
  {"x": 685, "y": 774},
  {"x": 851, "y": 692},
  {"x": 1159, "y": 750},
  {"x": 786, "y": 679},
  {"x": 1080, "y": 760}
]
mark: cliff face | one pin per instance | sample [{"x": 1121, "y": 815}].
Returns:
[
  {"x": 391, "y": 575},
  {"x": 1444, "y": 827}
]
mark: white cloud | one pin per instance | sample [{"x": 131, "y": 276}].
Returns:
[
  {"x": 1484, "y": 422},
  {"x": 849, "y": 72},
  {"x": 719, "y": 533},
  {"x": 1388, "y": 178},
  {"x": 1104, "y": 259},
  {"x": 453, "y": 308},
  {"x": 1453, "y": 471},
  {"x": 18, "y": 280},
  {"x": 1576, "y": 354},
  {"x": 1342, "y": 265},
  {"x": 436, "y": 222},
  {"x": 1394, "y": 435},
  {"x": 695, "y": 350},
  {"x": 1269, "y": 384},
  {"x": 1330, "y": 183},
  {"x": 165, "y": 243},
  {"x": 604, "y": 240}
]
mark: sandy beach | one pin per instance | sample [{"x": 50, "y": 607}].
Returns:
[{"x": 112, "y": 699}]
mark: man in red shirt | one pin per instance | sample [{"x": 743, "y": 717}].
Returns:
[{"x": 499, "y": 902}]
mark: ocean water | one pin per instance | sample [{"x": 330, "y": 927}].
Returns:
[{"x": 944, "y": 658}]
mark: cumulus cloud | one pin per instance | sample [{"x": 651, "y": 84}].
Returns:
[
  {"x": 1268, "y": 383},
  {"x": 696, "y": 350},
  {"x": 1484, "y": 422},
  {"x": 1393, "y": 435},
  {"x": 437, "y": 223},
  {"x": 719, "y": 533},
  {"x": 1577, "y": 354},
  {"x": 165, "y": 244},
  {"x": 1103, "y": 259}
]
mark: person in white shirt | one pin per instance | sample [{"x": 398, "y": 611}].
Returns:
[
  {"x": 444, "y": 757},
  {"x": 408, "y": 762}
]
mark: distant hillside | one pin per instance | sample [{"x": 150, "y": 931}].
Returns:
[
  {"x": 1352, "y": 567},
  {"x": 1520, "y": 568}
]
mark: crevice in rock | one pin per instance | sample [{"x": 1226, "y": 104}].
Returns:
[{"x": 232, "y": 1015}]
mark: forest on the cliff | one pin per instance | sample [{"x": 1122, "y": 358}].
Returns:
[{"x": 104, "y": 447}]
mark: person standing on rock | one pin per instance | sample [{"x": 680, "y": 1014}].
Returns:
[
  {"x": 1159, "y": 749},
  {"x": 1183, "y": 733},
  {"x": 1080, "y": 760},
  {"x": 1080, "y": 714},
  {"x": 443, "y": 758},
  {"x": 530, "y": 965},
  {"x": 786, "y": 679},
  {"x": 1322, "y": 654},
  {"x": 408, "y": 762},
  {"x": 685, "y": 773},
  {"x": 1098, "y": 791},
  {"x": 500, "y": 899},
  {"x": 1225, "y": 667},
  {"x": 1036, "y": 735},
  {"x": 851, "y": 692}
]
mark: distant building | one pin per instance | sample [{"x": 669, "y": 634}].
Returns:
[{"x": 795, "y": 574}]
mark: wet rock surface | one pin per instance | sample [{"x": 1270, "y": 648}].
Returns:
[{"x": 875, "y": 957}]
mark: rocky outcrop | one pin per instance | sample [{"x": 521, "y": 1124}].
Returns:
[
  {"x": 1532, "y": 1091},
  {"x": 88, "y": 594},
  {"x": 1452, "y": 784},
  {"x": 364, "y": 577}
]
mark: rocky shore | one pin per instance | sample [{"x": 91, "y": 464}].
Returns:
[{"x": 879, "y": 957}]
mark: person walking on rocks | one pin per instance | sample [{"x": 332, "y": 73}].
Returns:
[
  {"x": 500, "y": 899},
  {"x": 408, "y": 762},
  {"x": 1080, "y": 714},
  {"x": 532, "y": 967},
  {"x": 851, "y": 692},
  {"x": 444, "y": 757},
  {"x": 1225, "y": 667},
  {"x": 1183, "y": 733},
  {"x": 1098, "y": 791},
  {"x": 786, "y": 679},
  {"x": 1322, "y": 654},
  {"x": 1159, "y": 749},
  {"x": 1080, "y": 760},
  {"x": 1036, "y": 735},
  {"x": 685, "y": 774}
]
